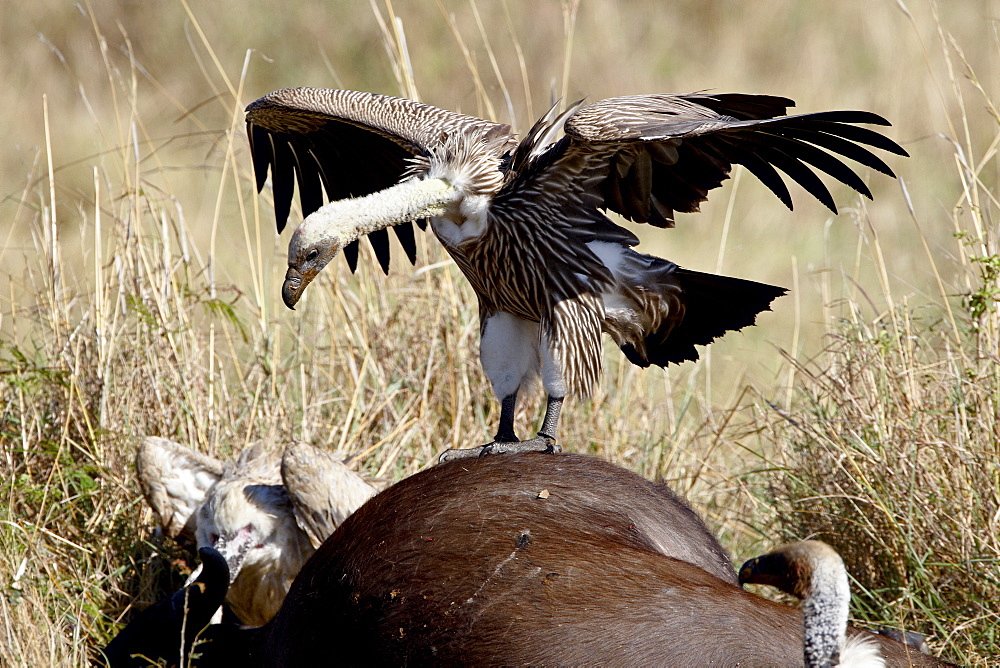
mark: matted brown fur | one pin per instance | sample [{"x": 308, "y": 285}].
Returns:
[{"x": 530, "y": 559}]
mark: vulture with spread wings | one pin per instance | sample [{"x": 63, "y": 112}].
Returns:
[{"x": 525, "y": 220}]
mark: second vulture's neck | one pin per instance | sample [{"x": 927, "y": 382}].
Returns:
[
  {"x": 825, "y": 612},
  {"x": 350, "y": 219}
]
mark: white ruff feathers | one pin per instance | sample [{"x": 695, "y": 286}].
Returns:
[{"x": 861, "y": 652}]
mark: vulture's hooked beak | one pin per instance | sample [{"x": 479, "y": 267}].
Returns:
[
  {"x": 294, "y": 285},
  {"x": 234, "y": 548}
]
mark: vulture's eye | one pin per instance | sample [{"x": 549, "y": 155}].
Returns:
[{"x": 311, "y": 255}]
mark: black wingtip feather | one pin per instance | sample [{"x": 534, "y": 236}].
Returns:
[
  {"x": 310, "y": 188},
  {"x": 351, "y": 255},
  {"x": 260, "y": 153},
  {"x": 821, "y": 160},
  {"x": 801, "y": 174},
  {"x": 859, "y": 135},
  {"x": 379, "y": 240},
  {"x": 848, "y": 117},
  {"x": 282, "y": 182},
  {"x": 843, "y": 147},
  {"x": 766, "y": 173},
  {"x": 281, "y": 210},
  {"x": 404, "y": 232}
]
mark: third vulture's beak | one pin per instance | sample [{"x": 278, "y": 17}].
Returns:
[{"x": 234, "y": 548}]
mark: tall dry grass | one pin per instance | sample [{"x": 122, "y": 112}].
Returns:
[
  {"x": 890, "y": 448},
  {"x": 140, "y": 280}
]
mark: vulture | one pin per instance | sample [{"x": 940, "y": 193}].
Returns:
[
  {"x": 265, "y": 513},
  {"x": 813, "y": 571},
  {"x": 526, "y": 221}
]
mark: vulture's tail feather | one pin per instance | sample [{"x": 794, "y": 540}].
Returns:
[{"x": 713, "y": 305}]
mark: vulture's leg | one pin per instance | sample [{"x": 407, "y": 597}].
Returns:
[
  {"x": 551, "y": 420},
  {"x": 505, "y": 434},
  {"x": 510, "y": 356},
  {"x": 544, "y": 442}
]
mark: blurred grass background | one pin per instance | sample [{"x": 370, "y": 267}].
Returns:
[{"x": 139, "y": 279}]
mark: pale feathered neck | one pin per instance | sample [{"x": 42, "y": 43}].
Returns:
[
  {"x": 349, "y": 219},
  {"x": 861, "y": 652},
  {"x": 825, "y": 611}
]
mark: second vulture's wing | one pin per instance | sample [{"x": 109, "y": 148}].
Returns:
[
  {"x": 175, "y": 481},
  {"x": 324, "y": 492}
]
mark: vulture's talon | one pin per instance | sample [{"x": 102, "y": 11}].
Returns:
[
  {"x": 538, "y": 444},
  {"x": 459, "y": 453}
]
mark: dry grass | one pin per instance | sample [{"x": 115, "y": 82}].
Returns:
[
  {"x": 891, "y": 450},
  {"x": 140, "y": 281},
  {"x": 892, "y": 457}
]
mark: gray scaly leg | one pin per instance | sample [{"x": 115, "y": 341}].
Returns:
[{"x": 544, "y": 442}]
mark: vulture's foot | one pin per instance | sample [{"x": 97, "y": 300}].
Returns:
[{"x": 537, "y": 444}]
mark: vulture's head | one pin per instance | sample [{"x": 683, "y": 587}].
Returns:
[
  {"x": 312, "y": 247},
  {"x": 331, "y": 227},
  {"x": 796, "y": 568},
  {"x": 245, "y": 522}
]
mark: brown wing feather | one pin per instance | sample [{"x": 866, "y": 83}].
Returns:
[
  {"x": 324, "y": 492},
  {"x": 175, "y": 480},
  {"x": 665, "y": 153}
]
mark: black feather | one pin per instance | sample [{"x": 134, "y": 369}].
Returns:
[
  {"x": 844, "y": 117},
  {"x": 841, "y": 146},
  {"x": 856, "y": 134},
  {"x": 260, "y": 152},
  {"x": 762, "y": 170},
  {"x": 743, "y": 106},
  {"x": 800, "y": 173},
  {"x": 821, "y": 160},
  {"x": 404, "y": 232},
  {"x": 379, "y": 240},
  {"x": 307, "y": 176},
  {"x": 351, "y": 255},
  {"x": 713, "y": 305},
  {"x": 282, "y": 180}
]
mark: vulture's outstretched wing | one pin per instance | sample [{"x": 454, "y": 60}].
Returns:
[
  {"x": 175, "y": 480},
  {"x": 347, "y": 142},
  {"x": 663, "y": 153},
  {"x": 322, "y": 489}
]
